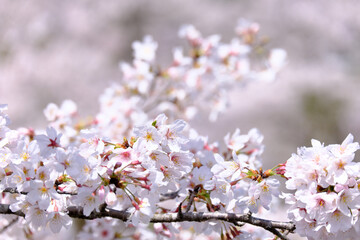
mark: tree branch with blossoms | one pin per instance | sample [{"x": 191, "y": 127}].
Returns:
[
  {"x": 77, "y": 212},
  {"x": 134, "y": 164}
]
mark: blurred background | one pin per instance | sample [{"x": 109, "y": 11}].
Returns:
[{"x": 51, "y": 51}]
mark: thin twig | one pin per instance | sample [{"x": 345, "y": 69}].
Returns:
[
  {"x": 180, "y": 213},
  {"x": 277, "y": 233},
  {"x": 163, "y": 197},
  {"x": 168, "y": 196},
  {"x": 10, "y": 223},
  {"x": 14, "y": 190},
  {"x": 193, "y": 194}
]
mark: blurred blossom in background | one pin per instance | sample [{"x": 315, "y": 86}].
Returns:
[{"x": 51, "y": 51}]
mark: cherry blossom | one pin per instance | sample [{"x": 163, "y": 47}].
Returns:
[
  {"x": 326, "y": 191},
  {"x": 48, "y": 143},
  {"x": 138, "y": 162}
]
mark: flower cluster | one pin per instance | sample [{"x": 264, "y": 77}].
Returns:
[
  {"x": 47, "y": 174},
  {"x": 197, "y": 77},
  {"x": 135, "y": 164},
  {"x": 327, "y": 195}
]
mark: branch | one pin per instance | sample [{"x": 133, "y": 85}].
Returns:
[
  {"x": 277, "y": 233},
  {"x": 168, "y": 196},
  {"x": 228, "y": 217},
  {"x": 14, "y": 190},
  {"x": 163, "y": 197},
  {"x": 193, "y": 194},
  {"x": 5, "y": 209},
  {"x": 10, "y": 223},
  {"x": 77, "y": 212},
  {"x": 236, "y": 219}
]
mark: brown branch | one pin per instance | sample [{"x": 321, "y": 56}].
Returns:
[
  {"x": 5, "y": 209},
  {"x": 193, "y": 194},
  {"x": 277, "y": 233},
  {"x": 14, "y": 190},
  {"x": 180, "y": 215},
  {"x": 236, "y": 219},
  {"x": 168, "y": 196},
  {"x": 77, "y": 212},
  {"x": 228, "y": 217},
  {"x": 163, "y": 197}
]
